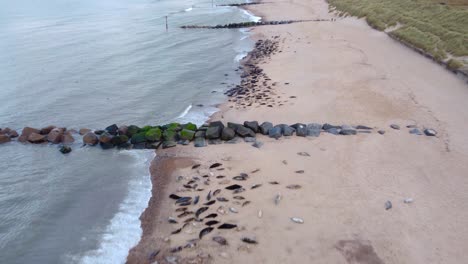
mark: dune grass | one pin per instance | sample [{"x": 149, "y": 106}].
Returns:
[{"x": 438, "y": 27}]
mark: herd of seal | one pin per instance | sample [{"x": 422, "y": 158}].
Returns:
[
  {"x": 203, "y": 206},
  {"x": 255, "y": 88}
]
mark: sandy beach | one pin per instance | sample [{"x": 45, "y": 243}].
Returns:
[{"x": 338, "y": 72}]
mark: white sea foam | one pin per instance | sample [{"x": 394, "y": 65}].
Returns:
[
  {"x": 124, "y": 230},
  {"x": 240, "y": 56},
  {"x": 198, "y": 116},
  {"x": 185, "y": 112},
  {"x": 189, "y": 9},
  {"x": 251, "y": 16}
]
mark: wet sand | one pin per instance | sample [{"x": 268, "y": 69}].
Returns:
[{"x": 340, "y": 72}]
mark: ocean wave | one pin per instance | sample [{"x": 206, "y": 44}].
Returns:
[
  {"x": 240, "y": 56},
  {"x": 185, "y": 112},
  {"x": 251, "y": 16},
  {"x": 199, "y": 116},
  {"x": 124, "y": 230}
]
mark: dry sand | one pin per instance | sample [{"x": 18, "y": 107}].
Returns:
[{"x": 341, "y": 72}]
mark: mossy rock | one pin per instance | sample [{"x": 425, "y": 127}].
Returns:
[
  {"x": 138, "y": 138},
  {"x": 132, "y": 130},
  {"x": 145, "y": 128},
  {"x": 153, "y": 134},
  {"x": 118, "y": 140},
  {"x": 187, "y": 134},
  {"x": 190, "y": 126},
  {"x": 168, "y": 144},
  {"x": 172, "y": 126},
  {"x": 169, "y": 135}
]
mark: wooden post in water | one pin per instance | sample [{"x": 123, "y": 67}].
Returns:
[{"x": 166, "y": 25}]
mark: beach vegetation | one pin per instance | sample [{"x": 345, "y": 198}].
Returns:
[
  {"x": 438, "y": 28},
  {"x": 454, "y": 64}
]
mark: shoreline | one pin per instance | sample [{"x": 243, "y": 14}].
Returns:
[
  {"x": 347, "y": 181},
  {"x": 162, "y": 167}
]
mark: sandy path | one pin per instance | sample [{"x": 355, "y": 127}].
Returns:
[{"x": 343, "y": 72}]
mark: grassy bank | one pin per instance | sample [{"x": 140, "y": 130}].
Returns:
[{"x": 439, "y": 28}]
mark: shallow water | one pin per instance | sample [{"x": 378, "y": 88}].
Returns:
[{"x": 90, "y": 64}]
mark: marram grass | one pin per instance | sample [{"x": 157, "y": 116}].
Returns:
[{"x": 440, "y": 30}]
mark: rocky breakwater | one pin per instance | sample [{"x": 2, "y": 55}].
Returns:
[
  {"x": 252, "y": 24},
  {"x": 173, "y": 134}
]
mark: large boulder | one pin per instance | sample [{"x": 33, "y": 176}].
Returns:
[
  {"x": 275, "y": 132},
  {"x": 347, "y": 130},
  {"x": 68, "y": 137},
  {"x": 105, "y": 138},
  {"x": 253, "y": 125},
  {"x": 245, "y": 132},
  {"x": 138, "y": 138},
  {"x": 200, "y": 133},
  {"x": 107, "y": 145},
  {"x": 168, "y": 144},
  {"x": 203, "y": 128},
  {"x": 228, "y": 134},
  {"x": 287, "y": 130},
  {"x": 313, "y": 130},
  {"x": 153, "y": 134},
  {"x": 99, "y": 132},
  {"x": 186, "y": 134},
  {"x": 145, "y": 129},
  {"x": 36, "y": 138},
  {"x": 65, "y": 149},
  {"x": 123, "y": 130},
  {"x": 55, "y": 136},
  {"x": 126, "y": 145},
  {"x": 26, "y": 132},
  {"x": 84, "y": 131},
  {"x": 233, "y": 126},
  {"x": 119, "y": 140},
  {"x": 301, "y": 129},
  {"x": 4, "y": 138},
  {"x": 214, "y": 132},
  {"x": 132, "y": 130},
  {"x": 265, "y": 127},
  {"x": 190, "y": 126},
  {"x": 173, "y": 126},
  {"x": 170, "y": 135},
  {"x": 199, "y": 142},
  {"x": 112, "y": 129},
  {"x": 153, "y": 145},
  {"x": 13, "y": 133},
  {"x": 217, "y": 124},
  {"x": 9, "y": 132},
  {"x": 46, "y": 130},
  {"x": 333, "y": 130},
  {"x": 90, "y": 139},
  {"x": 327, "y": 126}
]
